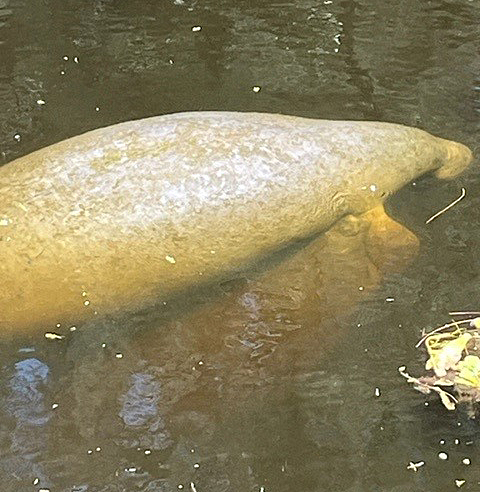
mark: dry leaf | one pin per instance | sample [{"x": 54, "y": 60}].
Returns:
[
  {"x": 445, "y": 356},
  {"x": 469, "y": 374}
]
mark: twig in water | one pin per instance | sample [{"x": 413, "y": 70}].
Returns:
[
  {"x": 463, "y": 313},
  {"x": 448, "y": 400},
  {"x": 433, "y": 217}
]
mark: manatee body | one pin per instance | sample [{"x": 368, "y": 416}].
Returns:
[{"x": 124, "y": 216}]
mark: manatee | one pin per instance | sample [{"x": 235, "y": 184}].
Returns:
[{"x": 127, "y": 216}]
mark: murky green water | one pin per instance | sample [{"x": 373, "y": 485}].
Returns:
[{"x": 268, "y": 383}]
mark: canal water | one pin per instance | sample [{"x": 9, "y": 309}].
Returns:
[{"x": 285, "y": 378}]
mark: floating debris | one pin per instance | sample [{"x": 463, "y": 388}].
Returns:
[
  {"x": 415, "y": 466},
  {"x": 53, "y": 336},
  {"x": 454, "y": 358},
  {"x": 461, "y": 197}
]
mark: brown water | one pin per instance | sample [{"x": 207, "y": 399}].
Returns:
[{"x": 267, "y": 383}]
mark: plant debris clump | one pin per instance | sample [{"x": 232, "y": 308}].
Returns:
[{"x": 454, "y": 363}]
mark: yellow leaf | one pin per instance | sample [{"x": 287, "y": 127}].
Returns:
[
  {"x": 447, "y": 355},
  {"x": 475, "y": 323},
  {"x": 469, "y": 374}
]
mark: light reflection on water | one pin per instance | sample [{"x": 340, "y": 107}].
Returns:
[{"x": 269, "y": 381}]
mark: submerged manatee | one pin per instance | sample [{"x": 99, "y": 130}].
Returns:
[{"x": 121, "y": 217}]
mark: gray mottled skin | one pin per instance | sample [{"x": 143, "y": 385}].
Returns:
[{"x": 126, "y": 215}]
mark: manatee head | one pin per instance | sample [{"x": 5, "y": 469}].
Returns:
[
  {"x": 407, "y": 154},
  {"x": 458, "y": 157}
]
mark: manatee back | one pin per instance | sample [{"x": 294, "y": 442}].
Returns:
[{"x": 137, "y": 211}]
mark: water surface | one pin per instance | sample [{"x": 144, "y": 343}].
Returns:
[{"x": 282, "y": 380}]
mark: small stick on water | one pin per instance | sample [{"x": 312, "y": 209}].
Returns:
[
  {"x": 447, "y": 398},
  {"x": 463, "y": 313},
  {"x": 433, "y": 217}
]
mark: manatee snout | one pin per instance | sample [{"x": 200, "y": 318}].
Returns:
[{"x": 458, "y": 158}]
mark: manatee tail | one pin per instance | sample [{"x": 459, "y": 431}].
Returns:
[{"x": 458, "y": 158}]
